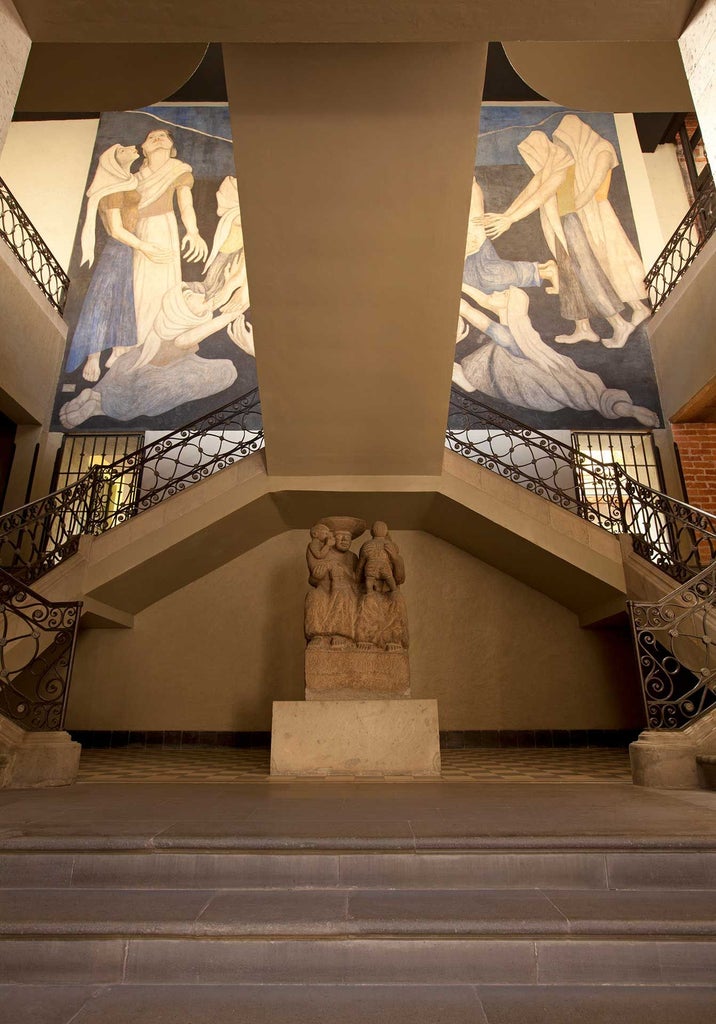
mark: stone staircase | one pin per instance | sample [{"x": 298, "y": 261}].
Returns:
[{"x": 197, "y": 925}]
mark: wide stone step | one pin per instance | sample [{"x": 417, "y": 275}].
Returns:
[
  {"x": 494, "y": 960},
  {"x": 355, "y": 1004},
  {"x": 627, "y": 868},
  {"x": 349, "y": 913}
]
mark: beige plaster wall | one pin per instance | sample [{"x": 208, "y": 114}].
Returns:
[
  {"x": 32, "y": 343},
  {"x": 698, "y": 52},
  {"x": 45, "y": 164},
  {"x": 667, "y": 186},
  {"x": 14, "y": 48},
  {"x": 495, "y": 653}
]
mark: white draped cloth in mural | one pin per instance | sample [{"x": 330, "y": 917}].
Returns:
[
  {"x": 543, "y": 379},
  {"x": 594, "y": 160},
  {"x": 134, "y": 386},
  {"x": 157, "y": 223}
]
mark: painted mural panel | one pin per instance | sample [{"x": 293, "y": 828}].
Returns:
[
  {"x": 158, "y": 311},
  {"x": 553, "y": 307}
]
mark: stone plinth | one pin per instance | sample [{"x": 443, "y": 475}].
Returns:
[
  {"x": 32, "y": 760},
  {"x": 359, "y": 737},
  {"x": 664, "y": 761},
  {"x": 354, "y": 674}
]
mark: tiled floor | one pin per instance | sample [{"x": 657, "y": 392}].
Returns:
[{"x": 221, "y": 764}]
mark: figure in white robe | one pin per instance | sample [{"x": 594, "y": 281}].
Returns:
[
  {"x": 160, "y": 178},
  {"x": 515, "y": 365},
  {"x": 585, "y": 289},
  {"x": 594, "y": 160}
]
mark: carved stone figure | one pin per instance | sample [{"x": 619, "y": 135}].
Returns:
[{"x": 355, "y": 617}]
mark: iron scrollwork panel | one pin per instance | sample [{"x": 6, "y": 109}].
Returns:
[
  {"x": 30, "y": 248},
  {"x": 675, "y": 641},
  {"x": 37, "y": 642},
  {"x": 542, "y": 464}
]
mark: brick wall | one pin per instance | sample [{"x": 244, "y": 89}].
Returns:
[{"x": 697, "y": 451}]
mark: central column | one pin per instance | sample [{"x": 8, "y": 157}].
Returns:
[{"x": 354, "y": 165}]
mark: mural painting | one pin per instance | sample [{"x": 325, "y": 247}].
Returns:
[
  {"x": 553, "y": 305},
  {"x": 159, "y": 331}
]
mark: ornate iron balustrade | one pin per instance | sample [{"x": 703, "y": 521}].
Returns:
[
  {"x": 683, "y": 247},
  {"x": 37, "y": 537},
  {"x": 563, "y": 475},
  {"x": 24, "y": 239},
  {"x": 677, "y": 538},
  {"x": 37, "y": 644},
  {"x": 675, "y": 643}
]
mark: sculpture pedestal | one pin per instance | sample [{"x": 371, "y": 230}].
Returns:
[
  {"x": 354, "y": 674},
  {"x": 355, "y": 737}
]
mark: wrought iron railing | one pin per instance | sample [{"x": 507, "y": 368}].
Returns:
[
  {"x": 677, "y": 538},
  {"x": 24, "y": 239},
  {"x": 675, "y": 641},
  {"x": 683, "y": 247},
  {"x": 37, "y": 643},
  {"x": 563, "y": 475},
  {"x": 41, "y": 535}
]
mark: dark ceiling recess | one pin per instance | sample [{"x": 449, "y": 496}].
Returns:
[{"x": 502, "y": 84}]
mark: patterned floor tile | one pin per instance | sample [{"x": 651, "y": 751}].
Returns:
[{"x": 222, "y": 764}]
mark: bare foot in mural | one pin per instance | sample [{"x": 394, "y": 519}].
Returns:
[
  {"x": 87, "y": 404},
  {"x": 582, "y": 332},
  {"x": 640, "y": 314},
  {"x": 622, "y": 330},
  {"x": 91, "y": 370},
  {"x": 116, "y": 353},
  {"x": 636, "y": 412}
]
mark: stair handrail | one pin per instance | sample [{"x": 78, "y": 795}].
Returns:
[
  {"x": 675, "y": 644},
  {"x": 30, "y": 248},
  {"x": 40, "y": 535},
  {"x": 547, "y": 466},
  {"x": 675, "y": 537},
  {"x": 695, "y": 229},
  {"x": 37, "y": 645}
]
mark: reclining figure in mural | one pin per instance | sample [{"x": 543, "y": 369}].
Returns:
[
  {"x": 515, "y": 365},
  {"x": 597, "y": 263},
  {"x": 166, "y": 370}
]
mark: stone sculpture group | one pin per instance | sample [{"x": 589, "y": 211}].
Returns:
[{"x": 355, "y": 617}]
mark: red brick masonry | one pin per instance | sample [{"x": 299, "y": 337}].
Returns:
[{"x": 697, "y": 450}]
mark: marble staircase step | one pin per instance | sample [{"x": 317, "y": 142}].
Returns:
[
  {"x": 346, "y": 914},
  {"x": 629, "y": 867},
  {"x": 355, "y": 1004}
]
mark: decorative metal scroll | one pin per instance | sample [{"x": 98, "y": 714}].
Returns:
[
  {"x": 683, "y": 247},
  {"x": 24, "y": 239},
  {"x": 675, "y": 641},
  {"x": 37, "y": 537},
  {"x": 37, "y": 643},
  {"x": 675, "y": 537},
  {"x": 540, "y": 463},
  {"x": 145, "y": 477}
]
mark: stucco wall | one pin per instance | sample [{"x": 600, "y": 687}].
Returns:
[
  {"x": 45, "y": 165},
  {"x": 14, "y": 49},
  {"x": 213, "y": 656}
]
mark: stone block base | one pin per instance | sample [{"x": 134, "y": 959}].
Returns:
[
  {"x": 663, "y": 761},
  {"x": 33, "y": 760},
  {"x": 360, "y": 737},
  {"x": 352, "y": 674}
]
